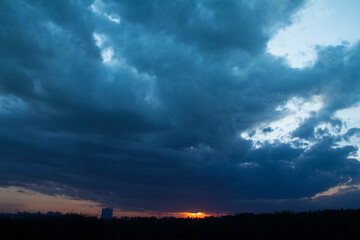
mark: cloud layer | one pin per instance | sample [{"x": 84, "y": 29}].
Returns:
[{"x": 171, "y": 105}]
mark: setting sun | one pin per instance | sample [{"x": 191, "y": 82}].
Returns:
[{"x": 194, "y": 215}]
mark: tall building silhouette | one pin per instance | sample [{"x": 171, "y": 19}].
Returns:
[{"x": 107, "y": 213}]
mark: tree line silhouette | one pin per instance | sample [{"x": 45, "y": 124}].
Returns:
[{"x": 326, "y": 224}]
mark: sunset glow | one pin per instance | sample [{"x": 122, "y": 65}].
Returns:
[{"x": 194, "y": 215}]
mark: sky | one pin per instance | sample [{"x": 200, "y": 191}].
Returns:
[{"x": 177, "y": 107}]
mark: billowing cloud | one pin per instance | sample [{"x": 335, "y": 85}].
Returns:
[{"x": 171, "y": 106}]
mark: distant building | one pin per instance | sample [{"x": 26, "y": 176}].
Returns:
[{"x": 107, "y": 213}]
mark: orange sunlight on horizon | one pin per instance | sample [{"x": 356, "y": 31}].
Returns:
[
  {"x": 194, "y": 215},
  {"x": 18, "y": 199}
]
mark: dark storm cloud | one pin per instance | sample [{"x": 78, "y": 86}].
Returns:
[
  {"x": 210, "y": 25},
  {"x": 351, "y": 132},
  {"x": 158, "y": 127}
]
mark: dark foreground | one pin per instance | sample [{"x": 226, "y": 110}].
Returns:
[{"x": 328, "y": 224}]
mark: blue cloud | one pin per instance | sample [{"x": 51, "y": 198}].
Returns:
[{"x": 157, "y": 127}]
